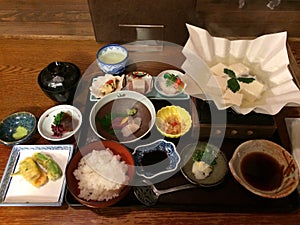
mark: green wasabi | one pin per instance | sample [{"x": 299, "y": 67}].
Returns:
[{"x": 20, "y": 133}]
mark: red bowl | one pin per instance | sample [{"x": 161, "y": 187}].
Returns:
[{"x": 117, "y": 149}]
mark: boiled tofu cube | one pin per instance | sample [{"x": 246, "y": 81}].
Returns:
[
  {"x": 218, "y": 69},
  {"x": 219, "y": 82},
  {"x": 252, "y": 91},
  {"x": 239, "y": 69},
  {"x": 231, "y": 98}
]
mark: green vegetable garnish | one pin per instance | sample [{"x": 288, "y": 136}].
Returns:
[
  {"x": 205, "y": 154},
  {"x": 58, "y": 118},
  {"x": 233, "y": 82},
  {"x": 131, "y": 112},
  {"x": 173, "y": 80}
]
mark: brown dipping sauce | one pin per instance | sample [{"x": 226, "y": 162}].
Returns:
[
  {"x": 154, "y": 157},
  {"x": 262, "y": 171},
  {"x": 121, "y": 106}
]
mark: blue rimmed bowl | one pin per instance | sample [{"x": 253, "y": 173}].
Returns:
[
  {"x": 17, "y": 128},
  {"x": 112, "y": 58},
  {"x": 157, "y": 158}
]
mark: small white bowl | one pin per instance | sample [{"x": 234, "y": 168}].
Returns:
[
  {"x": 112, "y": 58},
  {"x": 121, "y": 100},
  {"x": 47, "y": 118},
  {"x": 167, "y": 87}
]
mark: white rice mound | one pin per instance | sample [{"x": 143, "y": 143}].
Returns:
[{"x": 101, "y": 175}]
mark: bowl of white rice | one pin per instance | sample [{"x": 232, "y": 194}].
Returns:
[{"x": 100, "y": 174}]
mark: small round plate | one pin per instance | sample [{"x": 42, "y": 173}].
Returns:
[
  {"x": 220, "y": 169},
  {"x": 166, "y": 86},
  {"x": 47, "y": 118}
]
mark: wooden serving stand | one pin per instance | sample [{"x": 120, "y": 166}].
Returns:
[{"x": 229, "y": 196}]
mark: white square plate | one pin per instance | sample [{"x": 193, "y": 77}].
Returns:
[{"x": 16, "y": 191}]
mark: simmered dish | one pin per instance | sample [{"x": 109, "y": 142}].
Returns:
[
  {"x": 172, "y": 124},
  {"x": 123, "y": 119}
]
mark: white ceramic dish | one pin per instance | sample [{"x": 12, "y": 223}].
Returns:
[
  {"x": 99, "y": 81},
  {"x": 47, "y": 118},
  {"x": 16, "y": 191},
  {"x": 168, "y": 90},
  {"x": 140, "y": 98}
]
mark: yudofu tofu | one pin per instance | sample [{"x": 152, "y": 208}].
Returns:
[
  {"x": 239, "y": 69},
  {"x": 231, "y": 98},
  {"x": 218, "y": 69},
  {"x": 219, "y": 82},
  {"x": 252, "y": 91}
]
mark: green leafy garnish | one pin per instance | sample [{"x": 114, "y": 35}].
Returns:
[
  {"x": 58, "y": 118},
  {"x": 173, "y": 80},
  {"x": 233, "y": 82},
  {"x": 206, "y": 155},
  {"x": 131, "y": 112}
]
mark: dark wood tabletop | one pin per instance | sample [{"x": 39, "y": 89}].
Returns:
[{"x": 21, "y": 60}]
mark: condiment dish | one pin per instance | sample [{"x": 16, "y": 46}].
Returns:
[
  {"x": 17, "y": 128},
  {"x": 214, "y": 158},
  {"x": 265, "y": 168},
  {"x": 46, "y": 122},
  {"x": 173, "y": 121},
  {"x": 156, "y": 159}
]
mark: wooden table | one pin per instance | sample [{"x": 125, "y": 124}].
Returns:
[{"x": 20, "y": 63}]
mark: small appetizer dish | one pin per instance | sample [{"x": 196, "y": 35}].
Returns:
[
  {"x": 35, "y": 175},
  {"x": 173, "y": 121},
  {"x": 17, "y": 128},
  {"x": 265, "y": 168},
  {"x": 112, "y": 58},
  {"x": 158, "y": 158},
  {"x": 169, "y": 83},
  {"x": 204, "y": 164},
  {"x": 139, "y": 81},
  {"x": 103, "y": 85},
  {"x": 59, "y": 122},
  {"x": 100, "y": 174},
  {"x": 124, "y": 116}
]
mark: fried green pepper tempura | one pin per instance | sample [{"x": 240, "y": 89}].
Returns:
[{"x": 53, "y": 170}]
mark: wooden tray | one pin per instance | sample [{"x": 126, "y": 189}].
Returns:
[{"x": 229, "y": 196}]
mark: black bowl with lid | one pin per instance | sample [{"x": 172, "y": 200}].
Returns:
[{"x": 59, "y": 81}]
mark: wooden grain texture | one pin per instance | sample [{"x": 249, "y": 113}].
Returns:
[
  {"x": 64, "y": 19},
  {"x": 20, "y": 62}
]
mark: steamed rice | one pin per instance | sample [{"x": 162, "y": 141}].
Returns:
[{"x": 101, "y": 175}]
